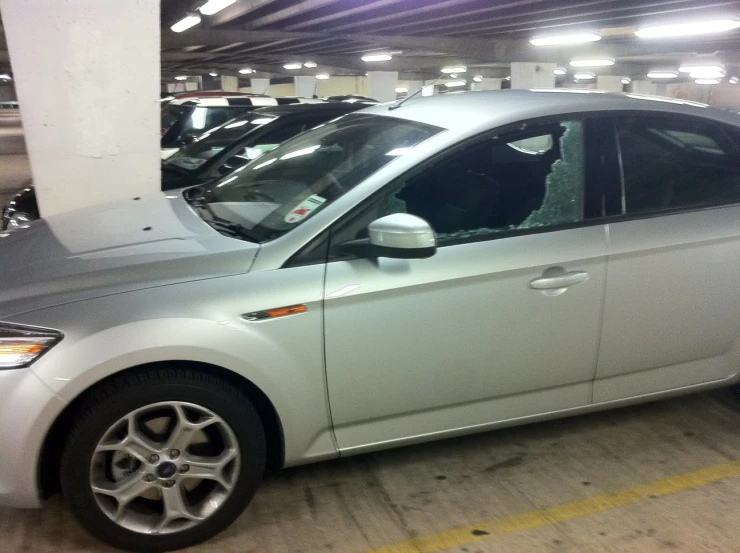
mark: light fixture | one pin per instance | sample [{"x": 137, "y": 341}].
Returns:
[
  {"x": 213, "y": 74},
  {"x": 180, "y": 78},
  {"x": 454, "y": 84},
  {"x": 626, "y": 80},
  {"x": 554, "y": 40},
  {"x": 707, "y": 74},
  {"x": 246, "y": 71},
  {"x": 584, "y": 76},
  {"x": 559, "y": 71},
  {"x": 186, "y": 22},
  {"x": 454, "y": 69},
  {"x": 478, "y": 79},
  {"x": 662, "y": 75},
  {"x": 215, "y": 6},
  {"x": 5, "y": 77},
  {"x": 292, "y": 66},
  {"x": 602, "y": 62},
  {"x": 377, "y": 57},
  {"x": 688, "y": 29},
  {"x": 689, "y": 68},
  {"x": 322, "y": 76},
  {"x": 734, "y": 80},
  {"x": 453, "y": 75},
  {"x": 401, "y": 90},
  {"x": 707, "y": 81},
  {"x": 310, "y": 64}
]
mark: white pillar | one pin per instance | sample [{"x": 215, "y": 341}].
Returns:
[
  {"x": 382, "y": 85},
  {"x": 260, "y": 86},
  {"x": 609, "y": 83},
  {"x": 229, "y": 83},
  {"x": 305, "y": 87},
  {"x": 487, "y": 84},
  {"x": 644, "y": 87},
  {"x": 532, "y": 75},
  {"x": 88, "y": 77}
]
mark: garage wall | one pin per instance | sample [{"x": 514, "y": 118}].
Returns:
[{"x": 337, "y": 86}]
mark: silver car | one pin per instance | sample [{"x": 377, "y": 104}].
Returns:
[{"x": 410, "y": 272}]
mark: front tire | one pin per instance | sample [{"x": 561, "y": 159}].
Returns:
[{"x": 162, "y": 459}]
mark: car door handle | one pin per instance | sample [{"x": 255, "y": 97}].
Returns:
[{"x": 559, "y": 281}]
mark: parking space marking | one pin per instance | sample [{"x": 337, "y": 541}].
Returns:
[{"x": 472, "y": 533}]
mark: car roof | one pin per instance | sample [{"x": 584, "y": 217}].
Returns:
[
  {"x": 292, "y": 109},
  {"x": 469, "y": 112},
  {"x": 210, "y": 101}
]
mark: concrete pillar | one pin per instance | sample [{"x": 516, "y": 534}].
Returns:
[
  {"x": 305, "y": 87},
  {"x": 429, "y": 89},
  {"x": 260, "y": 86},
  {"x": 487, "y": 84},
  {"x": 382, "y": 85},
  {"x": 609, "y": 83},
  {"x": 88, "y": 77},
  {"x": 532, "y": 75},
  {"x": 644, "y": 87},
  {"x": 229, "y": 83}
]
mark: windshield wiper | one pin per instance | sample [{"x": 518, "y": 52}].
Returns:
[{"x": 221, "y": 224}]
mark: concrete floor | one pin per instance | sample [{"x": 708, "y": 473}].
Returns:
[{"x": 361, "y": 504}]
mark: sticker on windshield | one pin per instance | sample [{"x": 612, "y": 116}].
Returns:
[{"x": 304, "y": 209}]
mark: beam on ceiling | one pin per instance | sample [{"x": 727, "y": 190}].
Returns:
[
  {"x": 298, "y": 8},
  {"x": 235, "y": 11}
]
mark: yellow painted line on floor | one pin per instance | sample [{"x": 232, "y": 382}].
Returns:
[{"x": 457, "y": 537}]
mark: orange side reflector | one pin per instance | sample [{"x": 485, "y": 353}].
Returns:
[
  {"x": 20, "y": 349},
  {"x": 283, "y": 311}
]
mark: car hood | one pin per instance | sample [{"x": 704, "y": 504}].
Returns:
[{"x": 118, "y": 247}]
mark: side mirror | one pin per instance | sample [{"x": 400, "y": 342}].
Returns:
[{"x": 398, "y": 236}]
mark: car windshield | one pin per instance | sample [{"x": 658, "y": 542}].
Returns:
[
  {"x": 277, "y": 192},
  {"x": 210, "y": 143}
]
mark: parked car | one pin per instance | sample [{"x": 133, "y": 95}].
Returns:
[
  {"x": 215, "y": 153},
  {"x": 186, "y": 118},
  {"x": 406, "y": 273}
]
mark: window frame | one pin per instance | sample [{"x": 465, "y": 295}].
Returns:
[
  {"x": 723, "y": 128},
  {"x": 504, "y": 133}
]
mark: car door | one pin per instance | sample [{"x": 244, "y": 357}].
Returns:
[
  {"x": 502, "y": 323},
  {"x": 671, "y": 318}
]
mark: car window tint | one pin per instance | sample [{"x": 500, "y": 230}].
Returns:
[
  {"x": 536, "y": 180},
  {"x": 676, "y": 164}
]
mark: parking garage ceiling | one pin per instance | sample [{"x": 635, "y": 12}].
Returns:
[{"x": 424, "y": 35}]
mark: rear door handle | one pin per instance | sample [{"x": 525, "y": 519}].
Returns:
[{"x": 557, "y": 282}]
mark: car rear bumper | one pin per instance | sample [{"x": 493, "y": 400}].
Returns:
[{"x": 27, "y": 410}]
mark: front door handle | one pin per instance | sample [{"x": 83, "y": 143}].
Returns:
[{"x": 557, "y": 279}]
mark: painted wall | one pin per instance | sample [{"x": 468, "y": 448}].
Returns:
[{"x": 87, "y": 74}]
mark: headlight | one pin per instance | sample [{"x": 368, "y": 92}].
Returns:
[{"x": 22, "y": 345}]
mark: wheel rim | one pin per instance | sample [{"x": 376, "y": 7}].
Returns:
[{"x": 165, "y": 467}]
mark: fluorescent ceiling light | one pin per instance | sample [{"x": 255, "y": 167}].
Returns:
[
  {"x": 626, "y": 80},
  {"x": 186, "y": 22},
  {"x": 707, "y": 74},
  {"x": 579, "y": 38},
  {"x": 688, "y": 29},
  {"x": 213, "y": 74},
  {"x": 453, "y": 84},
  {"x": 689, "y": 68},
  {"x": 662, "y": 75},
  {"x": 180, "y": 78},
  {"x": 5, "y": 77},
  {"x": 292, "y": 66},
  {"x": 310, "y": 64},
  {"x": 559, "y": 71},
  {"x": 215, "y": 6},
  {"x": 322, "y": 76},
  {"x": 401, "y": 90},
  {"x": 478, "y": 79},
  {"x": 377, "y": 57},
  {"x": 584, "y": 76},
  {"x": 592, "y": 63},
  {"x": 246, "y": 71},
  {"x": 454, "y": 69},
  {"x": 734, "y": 80},
  {"x": 707, "y": 81}
]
